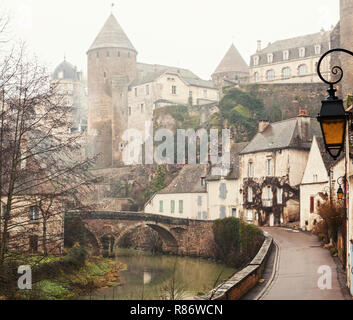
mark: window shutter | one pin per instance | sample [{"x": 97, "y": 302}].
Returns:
[{"x": 312, "y": 204}]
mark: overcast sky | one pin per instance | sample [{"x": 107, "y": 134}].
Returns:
[{"x": 193, "y": 34}]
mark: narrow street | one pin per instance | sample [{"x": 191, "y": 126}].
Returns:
[{"x": 293, "y": 270}]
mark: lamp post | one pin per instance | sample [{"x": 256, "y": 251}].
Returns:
[{"x": 333, "y": 120}]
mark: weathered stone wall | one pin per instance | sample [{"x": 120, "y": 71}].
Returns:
[
  {"x": 243, "y": 281},
  {"x": 289, "y": 97}
]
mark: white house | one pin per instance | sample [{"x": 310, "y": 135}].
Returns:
[
  {"x": 185, "y": 197},
  {"x": 319, "y": 183}
]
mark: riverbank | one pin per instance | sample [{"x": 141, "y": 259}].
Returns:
[{"x": 65, "y": 278}]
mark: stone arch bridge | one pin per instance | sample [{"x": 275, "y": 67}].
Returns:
[{"x": 179, "y": 236}]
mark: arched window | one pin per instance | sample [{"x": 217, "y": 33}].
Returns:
[
  {"x": 302, "y": 70},
  {"x": 286, "y": 73},
  {"x": 270, "y": 75}
]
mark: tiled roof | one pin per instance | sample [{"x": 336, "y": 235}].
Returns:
[
  {"x": 188, "y": 180},
  {"x": 292, "y": 45},
  {"x": 278, "y": 135},
  {"x": 112, "y": 36},
  {"x": 232, "y": 62}
]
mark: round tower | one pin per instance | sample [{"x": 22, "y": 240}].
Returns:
[
  {"x": 346, "y": 26},
  {"x": 111, "y": 68}
]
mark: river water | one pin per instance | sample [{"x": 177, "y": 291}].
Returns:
[{"x": 161, "y": 277}]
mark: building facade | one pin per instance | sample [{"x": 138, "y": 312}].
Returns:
[{"x": 292, "y": 60}]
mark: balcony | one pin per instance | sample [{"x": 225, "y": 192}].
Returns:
[{"x": 267, "y": 203}]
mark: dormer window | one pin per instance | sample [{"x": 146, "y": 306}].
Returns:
[
  {"x": 301, "y": 52},
  {"x": 318, "y": 49},
  {"x": 203, "y": 181},
  {"x": 270, "y": 58},
  {"x": 256, "y": 60},
  {"x": 285, "y": 55}
]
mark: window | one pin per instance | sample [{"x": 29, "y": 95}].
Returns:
[
  {"x": 108, "y": 54},
  {"x": 256, "y": 60},
  {"x": 250, "y": 170},
  {"x": 161, "y": 206},
  {"x": 270, "y": 75},
  {"x": 286, "y": 73},
  {"x": 33, "y": 213},
  {"x": 129, "y": 111},
  {"x": 142, "y": 108},
  {"x": 312, "y": 203},
  {"x": 174, "y": 90},
  {"x": 172, "y": 206},
  {"x": 234, "y": 213},
  {"x": 105, "y": 74},
  {"x": 3, "y": 210},
  {"x": 279, "y": 195},
  {"x": 318, "y": 49},
  {"x": 204, "y": 215},
  {"x": 61, "y": 75},
  {"x": 250, "y": 216},
  {"x": 97, "y": 54},
  {"x": 222, "y": 212},
  {"x": 199, "y": 216},
  {"x": 302, "y": 70},
  {"x": 269, "y": 167},
  {"x": 301, "y": 52},
  {"x": 118, "y": 53},
  {"x": 33, "y": 244},
  {"x": 270, "y": 58},
  {"x": 250, "y": 195},
  {"x": 205, "y": 94},
  {"x": 315, "y": 178},
  {"x": 181, "y": 206},
  {"x": 147, "y": 90},
  {"x": 256, "y": 77},
  {"x": 135, "y": 92},
  {"x": 286, "y": 55},
  {"x": 199, "y": 200},
  {"x": 203, "y": 181},
  {"x": 223, "y": 191}
]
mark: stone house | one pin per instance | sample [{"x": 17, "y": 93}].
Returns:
[
  {"x": 185, "y": 197},
  {"x": 291, "y": 60},
  {"x": 319, "y": 183},
  {"x": 272, "y": 167}
]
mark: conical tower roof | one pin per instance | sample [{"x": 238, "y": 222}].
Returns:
[
  {"x": 112, "y": 36},
  {"x": 232, "y": 62}
]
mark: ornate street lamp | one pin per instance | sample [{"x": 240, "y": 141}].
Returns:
[
  {"x": 340, "y": 192},
  {"x": 333, "y": 117}
]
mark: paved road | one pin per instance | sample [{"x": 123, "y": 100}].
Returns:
[{"x": 299, "y": 259}]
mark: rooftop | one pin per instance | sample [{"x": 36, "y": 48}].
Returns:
[{"x": 232, "y": 62}]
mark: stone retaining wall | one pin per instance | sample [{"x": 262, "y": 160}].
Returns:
[{"x": 243, "y": 281}]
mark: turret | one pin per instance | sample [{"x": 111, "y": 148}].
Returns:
[{"x": 111, "y": 68}]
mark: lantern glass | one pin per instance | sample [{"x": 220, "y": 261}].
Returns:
[
  {"x": 333, "y": 131},
  {"x": 340, "y": 193}
]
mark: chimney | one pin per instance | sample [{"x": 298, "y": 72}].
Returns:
[
  {"x": 263, "y": 124},
  {"x": 258, "y": 46},
  {"x": 304, "y": 125}
]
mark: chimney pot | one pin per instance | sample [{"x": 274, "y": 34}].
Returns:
[{"x": 258, "y": 45}]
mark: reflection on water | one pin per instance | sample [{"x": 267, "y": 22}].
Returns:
[{"x": 160, "y": 277}]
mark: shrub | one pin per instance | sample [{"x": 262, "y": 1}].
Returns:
[{"x": 237, "y": 242}]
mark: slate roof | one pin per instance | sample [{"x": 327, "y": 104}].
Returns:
[
  {"x": 188, "y": 180},
  {"x": 112, "y": 36},
  {"x": 278, "y": 135},
  {"x": 233, "y": 174},
  {"x": 150, "y": 72},
  {"x": 293, "y": 45},
  {"x": 232, "y": 62},
  {"x": 68, "y": 70}
]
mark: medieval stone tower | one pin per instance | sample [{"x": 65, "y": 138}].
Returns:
[
  {"x": 111, "y": 68},
  {"x": 346, "y": 42}
]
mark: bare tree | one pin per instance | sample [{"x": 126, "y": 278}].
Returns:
[{"x": 42, "y": 168}]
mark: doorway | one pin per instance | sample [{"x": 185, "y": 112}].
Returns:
[{"x": 272, "y": 220}]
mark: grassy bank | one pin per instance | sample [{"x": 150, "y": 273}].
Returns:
[{"x": 54, "y": 278}]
